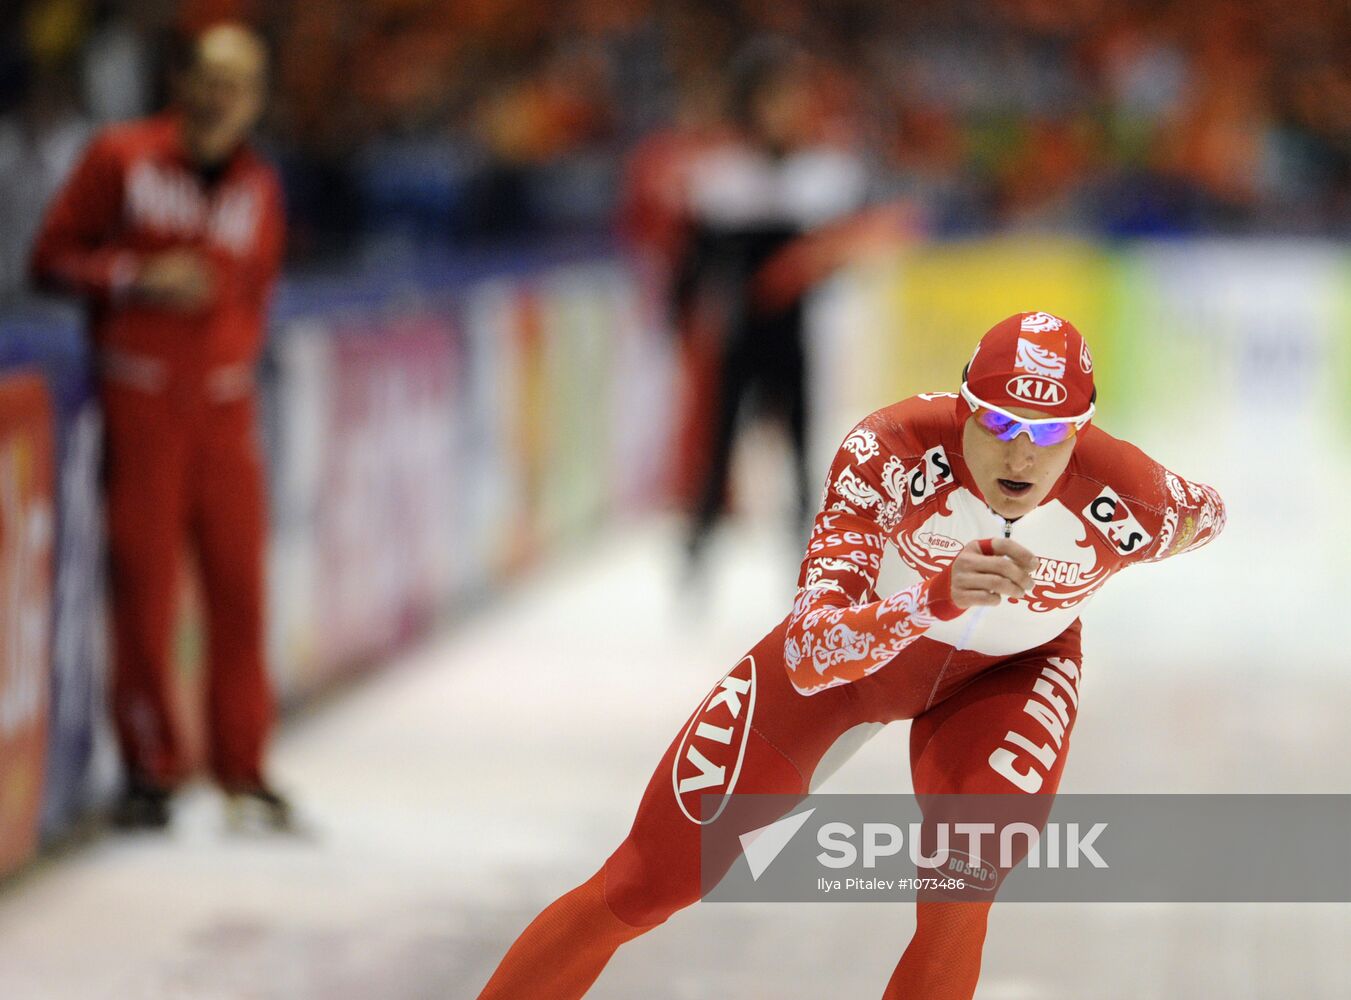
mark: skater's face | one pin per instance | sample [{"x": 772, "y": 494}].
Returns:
[{"x": 1014, "y": 476}]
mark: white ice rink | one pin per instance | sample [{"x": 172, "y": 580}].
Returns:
[{"x": 463, "y": 788}]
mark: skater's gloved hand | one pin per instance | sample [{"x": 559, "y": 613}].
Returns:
[{"x": 990, "y": 569}]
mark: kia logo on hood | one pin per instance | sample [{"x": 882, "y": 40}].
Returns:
[{"x": 1036, "y": 390}]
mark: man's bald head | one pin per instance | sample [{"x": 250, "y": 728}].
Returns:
[
  {"x": 223, "y": 91},
  {"x": 231, "y": 47}
]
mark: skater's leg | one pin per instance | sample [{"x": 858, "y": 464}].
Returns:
[
  {"x": 974, "y": 743},
  {"x": 560, "y": 954},
  {"x": 652, "y": 874},
  {"x": 656, "y": 870}
]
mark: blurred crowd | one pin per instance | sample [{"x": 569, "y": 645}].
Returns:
[{"x": 475, "y": 120}]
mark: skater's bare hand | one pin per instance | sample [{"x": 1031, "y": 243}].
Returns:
[
  {"x": 179, "y": 280},
  {"x": 978, "y": 579}
]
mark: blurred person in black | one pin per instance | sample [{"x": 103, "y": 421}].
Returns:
[
  {"x": 772, "y": 210},
  {"x": 653, "y": 221}
]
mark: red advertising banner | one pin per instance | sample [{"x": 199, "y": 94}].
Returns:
[{"x": 26, "y": 550}]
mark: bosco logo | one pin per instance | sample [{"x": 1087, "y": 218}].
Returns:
[
  {"x": 708, "y": 758},
  {"x": 1036, "y": 390},
  {"x": 1057, "y": 571},
  {"x": 980, "y": 875},
  {"x": 939, "y": 543}
]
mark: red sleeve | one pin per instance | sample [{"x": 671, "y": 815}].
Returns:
[
  {"x": 1143, "y": 510},
  {"x": 1191, "y": 514},
  {"x": 77, "y": 249},
  {"x": 839, "y": 630}
]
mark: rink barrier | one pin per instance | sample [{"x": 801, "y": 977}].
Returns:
[
  {"x": 430, "y": 430},
  {"x": 27, "y": 529},
  {"x": 423, "y": 454},
  {"x": 40, "y": 341}
]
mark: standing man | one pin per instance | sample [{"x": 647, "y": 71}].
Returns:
[{"x": 171, "y": 231}]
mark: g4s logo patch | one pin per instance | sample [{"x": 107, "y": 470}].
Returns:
[{"x": 1109, "y": 514}]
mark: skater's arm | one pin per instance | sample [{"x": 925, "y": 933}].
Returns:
[
  {"x": 1188, "y": 516},
  {"x": 1147, "y": 512},
  {"x": 839, "y": 630}
]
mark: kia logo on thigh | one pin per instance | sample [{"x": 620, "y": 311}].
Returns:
[{"x": 708, "y": 758}]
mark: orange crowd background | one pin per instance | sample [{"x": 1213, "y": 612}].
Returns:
[{"x": 479, "y": 118}]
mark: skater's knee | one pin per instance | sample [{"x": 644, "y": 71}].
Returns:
[{"x": 643, "y": 891}]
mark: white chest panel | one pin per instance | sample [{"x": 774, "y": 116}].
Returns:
[{"x": 1069, "y": 572}]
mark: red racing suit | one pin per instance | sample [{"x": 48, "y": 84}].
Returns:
[
  {"x": 182, "y": 459},
  {"x": 899, "y": 480},
  {"x": 993, "y": 691}
]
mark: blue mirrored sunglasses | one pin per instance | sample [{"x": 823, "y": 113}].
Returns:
[{"x": 1005, "y": 426}]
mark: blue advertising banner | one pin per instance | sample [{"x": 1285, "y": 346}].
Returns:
[{"x": 50, "y": 341}]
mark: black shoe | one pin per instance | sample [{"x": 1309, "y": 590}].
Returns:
[
  {"x": 142, "y": 806},
  {"x": 259, "y": 809}
]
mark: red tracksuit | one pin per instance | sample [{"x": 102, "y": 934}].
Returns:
[
  {"x": 993, "y": 691},
  {"x": 182, "y": 458}
]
